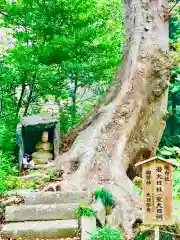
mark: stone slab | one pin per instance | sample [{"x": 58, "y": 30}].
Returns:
[
  {"x": 40, "y": 212},
  {"x": 99, "y": 208},
  {"x": 38, "y": 119},
  {"x": 40, "y": 166},
  {"x": 32, "y": 176},
  {"x": 56, "y": 197},
  {"x": 19, "y": 192},
  {"x": 88, "y": 227},
  {"x": 41, "y": 229}
]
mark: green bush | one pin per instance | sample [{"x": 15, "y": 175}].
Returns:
[
  {"x": 13, "y": 182},
  {"x": 6, "y": 169},
  {"x": 69, "y": 118},
  {"x": 169, "y": 152},
  {"x": 106, "y": 234},
  {"x": 52, "y": 176},
  {"x": 176, "y": 184},
  {"x": 165, "y": 236},
  {"x": 84, "y": 211},
  {"x": 7, "y": 161}
]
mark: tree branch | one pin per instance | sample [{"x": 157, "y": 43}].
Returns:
[
  {"x": 21, "y": 98},
  {"x": 30, "y": 94},
  {"x": 174, "y": 6}
]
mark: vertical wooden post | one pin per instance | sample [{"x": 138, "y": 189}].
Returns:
[{"x": 156, "y": 232}]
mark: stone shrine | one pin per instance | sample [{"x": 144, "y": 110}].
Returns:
[{"x": 39, "y": 137}]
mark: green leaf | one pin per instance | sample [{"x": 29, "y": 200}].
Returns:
[
  {"x": 106, "y": 234},
  {"x": 166, "y": 153},
  {"x": 84, "y": 211}
]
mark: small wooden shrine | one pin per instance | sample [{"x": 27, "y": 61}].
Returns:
[{"x": 30, "y": 130}]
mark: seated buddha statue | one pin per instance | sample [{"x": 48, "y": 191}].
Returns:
[{"x": 43, "y": 150}]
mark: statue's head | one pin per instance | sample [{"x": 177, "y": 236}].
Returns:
[{"x": 44, "y": 137}]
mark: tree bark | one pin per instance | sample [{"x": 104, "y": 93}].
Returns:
[
  {"x": 128, "y": 125},
  {"x": 19, "y": 105},
  {"x": 32, "y": 85},
  {"x": 75, "y": 93}
]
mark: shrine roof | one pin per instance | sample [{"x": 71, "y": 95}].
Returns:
[
  {"x": 170, "y": 161},
  {"x": 38, "y": 119}
]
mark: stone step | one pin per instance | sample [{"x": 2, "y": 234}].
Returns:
[
  {"x": 40, "y": 212},
  {"x": 32, "y": 176},
  {"x": 41, "y": 166},
  {"x": 19, "y": 192},
  {"x": 56, "y": 197},
  {"x": 40, "y": 229}
]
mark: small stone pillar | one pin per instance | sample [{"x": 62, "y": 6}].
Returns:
[{"x": 88, "y": 227}]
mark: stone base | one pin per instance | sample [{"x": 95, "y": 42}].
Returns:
[{"x": 41, "y": 229}]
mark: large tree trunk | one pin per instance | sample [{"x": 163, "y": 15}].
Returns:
[{"x": 129, "y": 125}]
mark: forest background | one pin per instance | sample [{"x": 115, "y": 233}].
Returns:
[{"x": 68, "y": 54}]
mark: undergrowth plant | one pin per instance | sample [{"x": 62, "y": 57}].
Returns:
[
  {"x": 84, "y": 211},
  {"x": 169, "y": 152},
  {"x": 165, "y": 236},
  {"x": 105, "y": 196},
  {"x": 142, "y": 236},
  {"x": 6, "y": 169},
  {"x": 106, "y": 234},
  {"x": 8, "y": 164},
  {"x": 52, "y": 176},
  {"x": 13, "y": 182}
]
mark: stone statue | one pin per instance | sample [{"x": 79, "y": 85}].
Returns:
[{"x": 43, "y": 150}]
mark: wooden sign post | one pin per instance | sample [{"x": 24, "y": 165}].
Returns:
[{"x": 157, "y": 175}]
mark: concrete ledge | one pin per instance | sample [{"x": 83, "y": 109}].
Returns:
[
  {"x": 56, "y": 197},
  {"x": 19, "y": 192},
  {"x": 40, "y": 212},
  {"x": 41, "y": 230}
]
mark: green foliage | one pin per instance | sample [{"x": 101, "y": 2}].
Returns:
[
  {"x": 106, "y": 234},
  {"x": 171, "y": 134},
  {"x": 6, "y": 168},
  {"x": 176, "y": 184},
  {"x": 68, "y": 46},
  {"x": 169, "y": 152},
  {"x": 84, "y": 211},
  {"x": 52, "y": 175},
  {"x": 7, "y": 162},
  {"x": 165, "y": 236},
  {"x": 162, "y": 235},
  {"x": 173, "y": 153},
  {"x": 68, "y": 119},
  {"x": 13, "y": 182},
  {"x": 60, "y": 46},
  {"x": 105, "y": 196},
  {"x": 174, "y": 29}
]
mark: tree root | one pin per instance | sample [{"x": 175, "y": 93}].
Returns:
[{"x": 52, "y": 187}]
